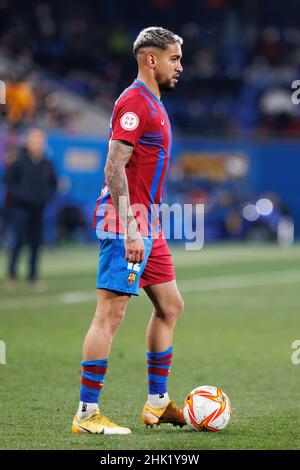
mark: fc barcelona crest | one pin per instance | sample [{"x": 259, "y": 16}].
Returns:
[{"x": 131, "y": 278}]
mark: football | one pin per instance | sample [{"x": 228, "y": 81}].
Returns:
[{"x": 207, "y": 408}]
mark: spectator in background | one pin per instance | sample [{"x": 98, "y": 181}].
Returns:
[
  {"x": 20, "y": 102},
  {"x": 31, "y": 181}
]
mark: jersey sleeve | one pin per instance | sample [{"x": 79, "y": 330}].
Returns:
[{"x": 130, "y": 119}]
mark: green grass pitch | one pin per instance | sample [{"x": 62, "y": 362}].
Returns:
[{"x": 241, "y": 317}]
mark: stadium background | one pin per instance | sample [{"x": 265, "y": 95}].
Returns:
[{"x": 236, "y": 150}]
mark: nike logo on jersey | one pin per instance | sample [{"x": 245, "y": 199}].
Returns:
[{"x": 162, "y": 122}]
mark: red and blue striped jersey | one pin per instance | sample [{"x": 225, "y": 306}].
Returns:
[{"x": 140, "y": 119}]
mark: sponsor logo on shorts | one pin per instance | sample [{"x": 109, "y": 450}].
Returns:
[{"x": 131, "y": 278}]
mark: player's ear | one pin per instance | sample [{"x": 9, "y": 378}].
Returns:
[{"x": 151, "y": 60}]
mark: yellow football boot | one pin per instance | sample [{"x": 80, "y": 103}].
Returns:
[
  {"x": 97, "y": 424},
  {"x": 169, "y": 414}
]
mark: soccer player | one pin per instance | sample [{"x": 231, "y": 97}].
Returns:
[{"x": 133, "y": 250}]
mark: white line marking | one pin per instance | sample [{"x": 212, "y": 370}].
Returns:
[
  {"x": 185, "y": 286},
  {"x": 241, "y": 280},
  {"x": 77, "y": 296}
]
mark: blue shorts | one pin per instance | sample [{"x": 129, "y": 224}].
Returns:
[
  {"x": 114, "y": 272},
  {"x": 117, "y": 274}
]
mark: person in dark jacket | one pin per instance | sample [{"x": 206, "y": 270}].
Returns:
[{"x": 31, "y": 181}]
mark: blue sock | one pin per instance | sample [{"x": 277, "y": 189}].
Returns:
[
  {"x": 93, "y": 373},
  {"x": 159, "y": 365}
]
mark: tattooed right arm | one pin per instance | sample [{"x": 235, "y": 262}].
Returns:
[{"x": 115, "y": 175}]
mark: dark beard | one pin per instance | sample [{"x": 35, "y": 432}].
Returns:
[
  {"x": 166, "y": 86},
  {"x": 163, "y": 85}
]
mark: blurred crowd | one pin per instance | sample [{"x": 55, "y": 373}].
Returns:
[{"x": 240, "y": 59}]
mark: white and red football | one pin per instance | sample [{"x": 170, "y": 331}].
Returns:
[{"x": 207, "y": 408}]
